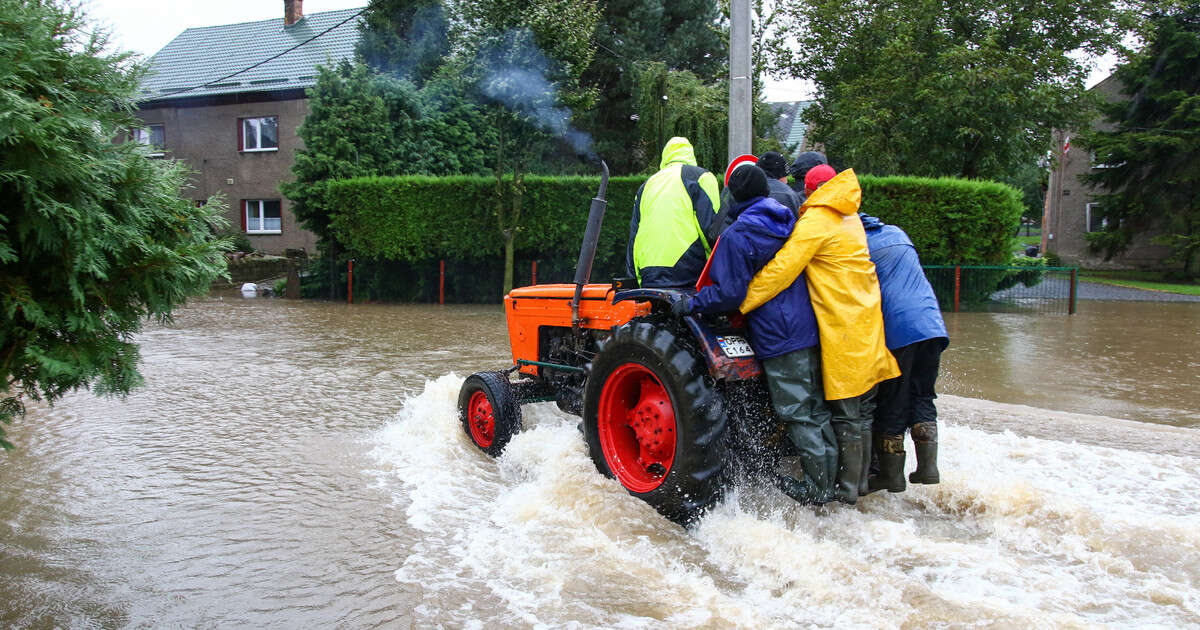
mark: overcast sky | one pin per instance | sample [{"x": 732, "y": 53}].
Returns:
[{"x": 145, "y": 26}]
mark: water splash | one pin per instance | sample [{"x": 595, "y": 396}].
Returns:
[{"x": 1022, "y": 531}]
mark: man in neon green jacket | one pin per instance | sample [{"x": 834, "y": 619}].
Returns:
[{"x": 674, "y": 222}]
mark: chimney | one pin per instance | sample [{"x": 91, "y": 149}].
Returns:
[{"x": 293, "y": 11}]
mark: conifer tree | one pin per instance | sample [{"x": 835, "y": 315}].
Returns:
[
  {"x": 1151, "y": 156},
  {"x": 94, "y": 235}
]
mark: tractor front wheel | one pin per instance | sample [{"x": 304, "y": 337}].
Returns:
[
  {"x": 654, "y": 422},
  {"x": 489, "y": 411}
]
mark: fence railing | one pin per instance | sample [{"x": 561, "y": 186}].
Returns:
[
  {"x": 958, "y": 287},
  {"x": 1004, "y": 288}
]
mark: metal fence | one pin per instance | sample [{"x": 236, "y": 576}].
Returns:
[{"x": 1004, "y": 288}]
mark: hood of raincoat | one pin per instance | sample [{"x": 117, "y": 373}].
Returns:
[
  {"x": 841, "y": 194},
  {"x": 829, "y": 245},
  {"x": 678, "y": 150}
]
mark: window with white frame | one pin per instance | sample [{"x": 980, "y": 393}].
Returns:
[
  {"x": 152, "y": 136},
  {"x": 258, "y": 134},
  {"x": 1095, "y": 222},
  {"x": 262, "y": 216}
]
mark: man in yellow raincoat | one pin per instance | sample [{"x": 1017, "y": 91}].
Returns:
[{"x": 829, "y": 245}]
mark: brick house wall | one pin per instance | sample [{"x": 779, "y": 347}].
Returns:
[
  {"x": 1067, "y": 218},
  {"x": 205, "y": 135}
]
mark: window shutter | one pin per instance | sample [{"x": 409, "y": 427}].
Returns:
[
  {"x": 241, "y": 147},
  {"x": 243, "y": 214}
]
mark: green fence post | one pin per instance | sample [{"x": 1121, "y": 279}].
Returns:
[{"x": 1074, "y": 283}]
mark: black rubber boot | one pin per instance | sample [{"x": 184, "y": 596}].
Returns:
[
  {"x": 851, "y": 456},
  {"x": 924, "y": 435},
  {"x": 891, "y": 464}
]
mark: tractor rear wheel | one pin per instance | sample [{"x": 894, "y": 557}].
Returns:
[
  {"x": 654, "y": 422},
  {"x": 489, "y": 411}
]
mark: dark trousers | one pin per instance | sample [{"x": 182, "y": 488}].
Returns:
[
  {"x": 797, "y": 393},
  {"x": 908, "y": 399}
]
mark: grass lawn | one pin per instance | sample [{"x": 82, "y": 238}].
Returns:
[{"x": 1149, "y": 280}]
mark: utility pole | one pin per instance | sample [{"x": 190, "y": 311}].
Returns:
[{"x": 740, "y": 85}]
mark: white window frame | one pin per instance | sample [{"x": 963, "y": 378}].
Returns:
[
  {"x": 259, "y": 206},
  {"x": 1087, "y": 218},
  {"x": 257, "y": 135},
  {"x": 145, "y": 135}
]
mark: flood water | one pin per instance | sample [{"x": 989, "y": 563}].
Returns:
[{"x": 296, "y": 464}]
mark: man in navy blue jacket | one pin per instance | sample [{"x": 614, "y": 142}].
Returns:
[
  {"x": 783, "y": 332},
  {"x": 916, "y": 335}
]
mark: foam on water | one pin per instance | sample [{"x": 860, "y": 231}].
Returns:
[{"x": 1021, "y": 532}]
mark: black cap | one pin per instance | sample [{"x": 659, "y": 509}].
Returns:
[
  {"x": 804, "y": 162},
  {"x": 748, "y": 182},
  {"x": 773, "y": 164}
]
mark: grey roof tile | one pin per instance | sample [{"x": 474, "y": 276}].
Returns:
[{"x": 198, "y": 57}]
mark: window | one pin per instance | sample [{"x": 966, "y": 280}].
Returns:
[
  {"x": 151, "y": 136},
  {"x": 258, "y": 134},
  {"x": 262, "y": 216},
  {"x": 1095, "y": 222}
]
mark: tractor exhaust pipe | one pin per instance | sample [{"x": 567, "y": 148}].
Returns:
[{"x": 587, "y": 252}]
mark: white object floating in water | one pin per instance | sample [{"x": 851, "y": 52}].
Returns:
[{"x": 249, "y": 289}]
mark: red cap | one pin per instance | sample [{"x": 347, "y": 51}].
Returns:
[
  {"x": 818, "y": 175},
  {"x": 738, "y": 161}
]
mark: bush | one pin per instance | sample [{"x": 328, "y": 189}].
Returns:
[
  {"x": 1032, "y": 271},
  {"x": 417, "y": 220}
]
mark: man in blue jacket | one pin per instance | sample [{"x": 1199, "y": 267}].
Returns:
[
  {"x": 916, "y": 336},
  {"x": 783, "y": 332}
]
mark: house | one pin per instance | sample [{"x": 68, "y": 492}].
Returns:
[
  {"x": 227, "y": 101},
  {"x": 1070, "y": 208},
  {"x": 790, "y": 130}
]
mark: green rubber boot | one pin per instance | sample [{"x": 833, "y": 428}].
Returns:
[
  {"x": 864, "y": 485},
  {"x": 891, "y": 464},
  {"x": 924, "y": 435},
  {"x": 850, "y": 466},
  {"x": 801, "y": 490}
]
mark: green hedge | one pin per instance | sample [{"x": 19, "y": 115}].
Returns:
[
  {"x": 951, "y": 221},
  {"x": 416, "y": 219}
]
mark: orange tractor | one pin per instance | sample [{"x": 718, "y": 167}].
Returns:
[{"x": 674, "y": 408}]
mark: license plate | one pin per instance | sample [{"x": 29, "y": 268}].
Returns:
[{"x": 734, "y": 346}]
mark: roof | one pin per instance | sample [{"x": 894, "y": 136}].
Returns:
[
  {"x": 790, "y": 129},
  {"x": 203, "y": 58}
]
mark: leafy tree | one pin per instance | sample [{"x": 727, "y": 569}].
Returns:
[
  {"x": 927, "y": 87},
  {"x": 94, "y": 235},
  {"x": 348, "y": 133},
  {"x": 405, "y": 38},
  {"x": 527, "y": 57},
  {"x": 1152, "y": 152},
  {"x": 682, "y": 35}
]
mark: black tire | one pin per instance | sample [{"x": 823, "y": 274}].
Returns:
[
  {"x": 696, "y": 474},
  {"x": 494, "y": 389}
]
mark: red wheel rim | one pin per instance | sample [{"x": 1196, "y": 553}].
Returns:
[
  {"x": 636, "y": 423},
  {"x": 481, "y": 419}
]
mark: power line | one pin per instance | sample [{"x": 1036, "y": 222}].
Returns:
[{"x": 264, "y": 61}]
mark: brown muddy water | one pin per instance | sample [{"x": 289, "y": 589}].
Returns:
[{"x": 295, "y": 464}]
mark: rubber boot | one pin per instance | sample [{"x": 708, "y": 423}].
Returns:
[
  {"x": 850, "y": 466},
  {"x": 864, "y": 486},
  {"x": 924, "y": 435},
  {"x": 801, "y": 490},
  {"x": 891, "y": 464}
]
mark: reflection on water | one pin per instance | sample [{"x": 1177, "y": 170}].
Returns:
[
  {"x": 1135, "y": 360},
  {"x": 288, "y": 465}
]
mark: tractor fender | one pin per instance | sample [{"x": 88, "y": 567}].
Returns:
[{"x": 721, "y": 366}]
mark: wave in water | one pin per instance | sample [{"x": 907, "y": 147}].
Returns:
[{"x": 1022, "y": 531}]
